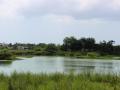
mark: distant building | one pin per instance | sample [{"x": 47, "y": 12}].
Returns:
[
  {"x": 3, "y": 45},
  {"x": 22, "y": 48}
]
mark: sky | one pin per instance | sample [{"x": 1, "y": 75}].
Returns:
[{"x": 50, "y": 21}]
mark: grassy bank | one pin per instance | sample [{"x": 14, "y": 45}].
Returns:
[
  {"x": 12, "y": 54},
  {"x": 89, "y": 55},
  {"x": 59, "y": 82}
]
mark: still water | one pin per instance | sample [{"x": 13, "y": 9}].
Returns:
[{"x": 46, "y": 64}]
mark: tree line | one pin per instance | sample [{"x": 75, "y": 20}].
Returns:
[
  {"x": 90, "y": 45},
  {"x": 70, "y": 44}
]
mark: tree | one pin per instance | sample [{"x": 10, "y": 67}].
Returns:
[
  {"x": 69, "y": 43},
  {"x": 106, "y": 47},
  {"x": 87, "y": 44},
  {"x": 51, "y": 49},
  {"x": 116, "y": 50},
  {"x": 73, "y": 44},
  {"x": 90, "y": 43}
]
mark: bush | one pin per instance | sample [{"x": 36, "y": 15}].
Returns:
[
  {"x": 92, "y": 54},
  {"x": 6, "y": 56}
]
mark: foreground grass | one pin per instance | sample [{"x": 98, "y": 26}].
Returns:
[{"x": 59, "y": 82}]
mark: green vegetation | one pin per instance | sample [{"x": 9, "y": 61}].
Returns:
[
  {"x": 71, "y": 47},
  {"x": 6, "y": 56},
  {"x": 57, "y": 81}
]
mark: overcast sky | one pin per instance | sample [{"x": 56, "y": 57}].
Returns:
[{"x": 48, "y": 21}]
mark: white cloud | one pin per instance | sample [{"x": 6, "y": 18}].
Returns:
[
  {"x": 61, "y": 18},
  {"x": 71, "y": 8},
  {"x": 87, "y": 4},
  {"x": 11, "y": 8},
  {"x": 115, "y": 4}
]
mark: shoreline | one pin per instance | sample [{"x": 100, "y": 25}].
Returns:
[{"x": 77, "y": 57}]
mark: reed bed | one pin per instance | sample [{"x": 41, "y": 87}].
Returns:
[{"x": 57, "y": 81}]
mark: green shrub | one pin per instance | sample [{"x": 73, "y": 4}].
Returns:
[
  {"x": 6, "y": 56},
  {"x": 92, "y": 54}
]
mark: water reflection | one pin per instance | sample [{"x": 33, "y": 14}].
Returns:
[
  {"x": 60, "y": 64},
  {"x": 5, "y": 63},
  {"x": 98, "y": 66}
]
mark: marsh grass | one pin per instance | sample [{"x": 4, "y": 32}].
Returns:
[{"x": 85, "y": 81}]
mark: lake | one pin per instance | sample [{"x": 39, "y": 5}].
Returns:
[{"x": 46, "y": 64}]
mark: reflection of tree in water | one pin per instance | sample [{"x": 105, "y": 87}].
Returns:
[
  {"x": 97, "y": 66},
  {"x": 104, "y": 66},
  {"x": 5, "y": 63},
  {"x": 78, "y": 66}
]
